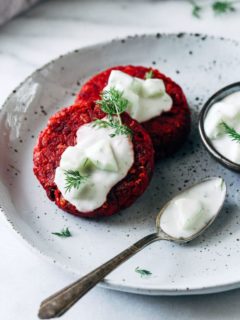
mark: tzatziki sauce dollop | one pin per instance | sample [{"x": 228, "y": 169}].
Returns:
[
  {"x": 223, "y": 118},
  {"x": 146, "y": 98},
  {"x": 101, "y": 159},
  {"x": 189, "y": 212}
]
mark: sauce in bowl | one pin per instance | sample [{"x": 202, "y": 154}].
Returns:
[
  {"x": 219, "y": 126},
  {"x": 222, "y": 126}
]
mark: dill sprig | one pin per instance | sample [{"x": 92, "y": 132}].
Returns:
[
  {"x": 149, "y": 74},
  {"x": 113, "y": 104},
  {"x": 233, "y": 134},
  {"x": 113, "y": 123},
  {"x": 65, "y": 233},
  {"x": 196, "y": 9},
  {"x": 73, "y": 179},
  {"x": 220, "y": 7},
  {"x": 143, "y": 272}
]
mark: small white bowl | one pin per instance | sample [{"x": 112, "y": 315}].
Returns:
[{"x": 218, "y": 96}]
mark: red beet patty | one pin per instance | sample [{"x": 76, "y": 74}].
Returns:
[
  {"x": 61, "y": 133},
  {"x": 169, "y": 130}
]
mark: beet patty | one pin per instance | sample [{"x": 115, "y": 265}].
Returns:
[
  {"x": 169, "y": 130},
  {"x": 61, "y": 133}
]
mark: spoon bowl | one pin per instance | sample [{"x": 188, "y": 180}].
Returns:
[
  {"x": 57, "y": 304},
  {"x": 201, "y": 230}
]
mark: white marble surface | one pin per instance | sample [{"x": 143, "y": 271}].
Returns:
[
  {"x": 52, "y": 28},
  {"x": 9, "y": 8}
]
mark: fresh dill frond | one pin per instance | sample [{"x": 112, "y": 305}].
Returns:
[
  {"x": 196, "y": 9},
  {"x": 73, "y": 179},
  {"x": 220, "y": 7},
  {"x": 233, "y": 134},
  {"x": 113, "y": 104},
  {"x": 149, "y": 74},
  {"x": 120, "y": 129},
  {"x": 65, "y": 233},
  {"x": 143, "y": 272},
  {"x": 101, "y": 123}
]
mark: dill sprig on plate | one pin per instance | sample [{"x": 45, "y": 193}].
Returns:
[
  {"x": 143, "y": 272},
  {"x": 65, "y": 233},
  {"x": 113, "y": 104},
  {"x": 73, "y": 179},
  {"x": 233, "y": 134}
]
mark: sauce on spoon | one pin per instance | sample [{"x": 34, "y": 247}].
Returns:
[{"x": 190, "y": 211}]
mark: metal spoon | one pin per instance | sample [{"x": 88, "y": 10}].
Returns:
[{"x": 57, "y": 304}]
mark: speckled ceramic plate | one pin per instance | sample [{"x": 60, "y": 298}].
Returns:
[{"x": 201, "y": 65}]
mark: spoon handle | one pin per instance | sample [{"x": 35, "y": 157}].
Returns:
[{"x": 57, "y": 304}]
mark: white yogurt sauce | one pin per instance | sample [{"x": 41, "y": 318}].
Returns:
[
  {"x": 191, "y": 211},
  {"x": 146, "y": 98},
  {"x": 228, "y": 111},
  {"x": 104, "y": 160}
]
